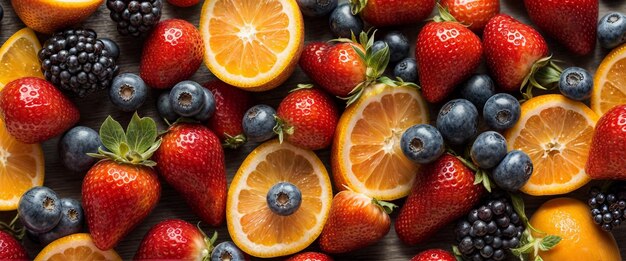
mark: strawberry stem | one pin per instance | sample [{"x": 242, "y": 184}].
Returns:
[
  {"x": 281, "y": 129},
  {"x": 444, "y": 15},
  {"x": 356, "y": 6},
  {"x": 530, "y": 244},
  {"x": 387, "y": 207},
  {"x": 543, "y": 75},
  {"x": 12, "y": 229},
  {"x": 233, "y": 142}
]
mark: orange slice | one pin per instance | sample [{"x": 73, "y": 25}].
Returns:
[
  {"x": 18, "y": 57},
  {"x": 254, "y": 45},
  {"x": 48, "y": 16},
  {"x": 609, "y": 82},
  {"x": 556, "y": 134},
  {"x": 21, "y": 168},
  {"x": 366, "y": 155},
  {"x": 74, "y": 248},
  {"x": 252, "y": 225}
]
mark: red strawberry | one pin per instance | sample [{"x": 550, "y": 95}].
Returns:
[
  {"x": 511, "y": 49},
  {"x": 10, "y": 248},
  {"x": 122, "y": 189},
  {"x": 355, "y": 221},
  {"x": 473, "y": 13},
  {"x": 191, "y": 159},
  {"x": 310, "y": 256},
  {"x": 230, "y": 105},
  {"x": 174, "y": 239},
  {"x": 608, "y": 146},
  {"x": 447, "y": 53},
  {"x": 444, "y": 192},
  {"x": 434, "y": 255},
  {"x": 35, "y": 111},
  {"x": 172, "y": 53},
  {"x": 380, "y": 13},
  {"x": 183, "y": 3},
  {"x": 573, "y": 23},
  {"x": 313, "y": 64},
  {"x": 307, "y": 118}
]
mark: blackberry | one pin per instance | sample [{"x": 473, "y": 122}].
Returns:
[
  {"x": 135, "y": 17},
  {"x": 490, "y": 230},
  {"x": 76, "y": 60},
  {"x": 608, "y": 209}
]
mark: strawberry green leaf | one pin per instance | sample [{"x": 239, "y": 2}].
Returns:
[
  {"x": 356, "y": 6},
  {"x": 140, "y": 133},
  {"x": 112, "y": 135},
  {"x": 518, "y": 206},
  {"x": 549, "y": 242},
  {"x": 538, "y": 258},
  {"x": 457, "y": 253},
  {"x": 386, "y": 206}
]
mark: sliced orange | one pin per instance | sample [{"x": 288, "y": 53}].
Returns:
[
  {"x": 251, "y": 44},
  {"x": 609, "y": 82},
  {"x": 18, "y": 57},
  {"x": 556, "y": 134},
  {"x": 48, "y": 16},
  {"x": 252, "y": 225},
  {"x": 76, "y": 247},
  {"x": 21, "y": 168},
  {"x": 366, "y": 155}
]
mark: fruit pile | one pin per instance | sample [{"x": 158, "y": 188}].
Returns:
[{"x": 518, "y": 125}]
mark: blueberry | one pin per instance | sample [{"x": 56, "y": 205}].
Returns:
[
  {"x": 71, "y": 221},
  {"x": 458, "y": 121},
  {"x": 576, "y": 83},
  {"x": 612, "y": 30},
  {"x": 398, "y": 46},
  {"x": 209, "y": 106},
  {"x": 377, "y": 46},
  {"x": 75, "y": 145},
  {"x": 187, "y": 98},
  {"x": 316, "y": 8},
  {"x": 165, "y": 108},
  {"x": 406, "y": 70},
  {"x": 513, "y": 171},
  {"x": 227, "y": 250},
  {"x": 111, "y": 47},
  {"x": 422, "y": 143},
  {"x": 488, "y": 149},
  {"x": 501, "y": 111},
  {"x": 284, "y": 198},
  {"x": 258, "y": 123},
  {"x": 478, "y": 89},
  {"x": 39, "y": 209},
  {"x": 343, "y": 23},
  {"x": 128, "y": 92}
]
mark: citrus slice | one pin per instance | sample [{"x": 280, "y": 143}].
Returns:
[
  {"x": 249, "y": 50},
  {"x": 75, "y": 247},
  {"x": 556, "y": 134},
  {"x": 253, "y": 226},
  {"x": 48, "y": 16},
  {"x": 609, "y": 82},
  {"x": 366, "y": 155},
  {"x": 21, "y": 168},
  {"x": 18, "y": 57}
]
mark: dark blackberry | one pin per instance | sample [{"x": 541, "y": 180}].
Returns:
[
  {"x": 76, "y": 60},
  {"x": 489, "y": 231},
  {"x": 608, "y": 208},
  {"x": 135, "y": 17}
]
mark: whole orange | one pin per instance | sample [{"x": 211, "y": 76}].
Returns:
[
  {"x": 581, "y": 238},
  {"x": 47, "y": 16}
]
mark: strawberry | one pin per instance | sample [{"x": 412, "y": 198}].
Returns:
[
  {"x": 572, "y": 23},
  {"x": 175, "y": 239},
  {"x": 473, "y": 13},
  {"x": 608, "y": 146},
  {"x": 447, "y": 53},
  {"x": 10, "y": 248},
  {"x": 191, "y": 159},
  {"x": 172, "y": 53},
  {"x": 310, "y": 256},
  {"x": 444, "y": 191},
  {"x": 380, "y": 13},
  {"x": 35, "y": 111},
  {"x": 307, "y": 118},
  {"x": 230, "y": 105},
  {"x": 183, "y": 3},
  {"x": 434, "y": 255},
  {"x": 121, "y": 189},
  {"x": 511, "y": 50},
  {"x": 355, "y": 221}
]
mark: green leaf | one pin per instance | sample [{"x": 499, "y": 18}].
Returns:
[
  {"x": 478, "y": 178},
  {"x": 518, "y": 206},
  {"x": 549, "y": 242},
  {"x": 525, "y": 249},
  {"x": 124, "y": 150},
  {"x": 457, "y": 253},
  {"x": 359, "y": 52},
  {"x": 486, "y": 181},
  {"x": 112, "y": 135},
  {"x": 386, "y": 206},
  {"x": 141, "y": 133},
  {"x": 538, "y": 258}
]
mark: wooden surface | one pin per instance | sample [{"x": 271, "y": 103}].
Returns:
[{"x": 96, "y": 107}]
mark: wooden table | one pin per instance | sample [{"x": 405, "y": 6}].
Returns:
[{"x": 96, "y": 107}]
